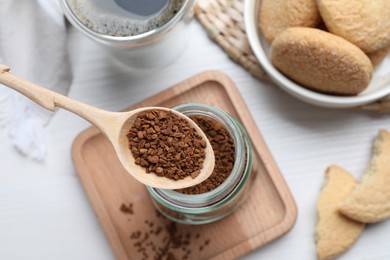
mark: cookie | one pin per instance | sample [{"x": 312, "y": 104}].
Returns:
[
  {"x": 369, "y": 202},
  {"x": 378, "y": 56},
  {"x": 335, "y": 233},
  {"x": 365, "y": 23},
  {"x": 278, "y": 15},
  {"x": 321, "y": 61}
]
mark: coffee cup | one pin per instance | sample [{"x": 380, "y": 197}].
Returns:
[{"x": 141, "y": 34}]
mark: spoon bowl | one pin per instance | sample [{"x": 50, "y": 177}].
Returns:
[
  {"x": 121, "y": 146},
  {"x": 115, "y": 125}
]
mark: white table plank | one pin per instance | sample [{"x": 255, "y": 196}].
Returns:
[{"x": 44, "y": 211}]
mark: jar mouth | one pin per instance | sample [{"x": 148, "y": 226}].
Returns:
[
  {"x": 243, "y": 160},
  {"x": 131, "y": 39}
]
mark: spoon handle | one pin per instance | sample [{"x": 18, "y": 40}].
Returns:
[
  {"x": 50, "y": 99},
  {"x": 43, "y": 97}
]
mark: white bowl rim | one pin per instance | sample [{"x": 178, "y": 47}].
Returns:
[{"x": 291, "y": 87}]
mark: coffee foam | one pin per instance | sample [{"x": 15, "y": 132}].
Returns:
[{"x": 110, "y": 19}]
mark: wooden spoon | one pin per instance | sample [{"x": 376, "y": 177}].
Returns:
[{"x": 115, "y": 125}]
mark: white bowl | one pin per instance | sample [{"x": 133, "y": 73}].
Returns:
[{"x": 378, "y": 88}]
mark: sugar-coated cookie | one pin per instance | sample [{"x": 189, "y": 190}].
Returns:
[
  {"x": 278, "y": 15},
  {"x": 321, "y": 61},
  {"x": 365, "y": 23},
  {"x": 369, "y": 202},
  {"x": 335, "y": 233},
  {"x": 378, "y": 56}
]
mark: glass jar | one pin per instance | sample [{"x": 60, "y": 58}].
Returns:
[{"x": 215, "y": 204}]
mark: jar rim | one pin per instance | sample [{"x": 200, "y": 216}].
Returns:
[{"x": 199, "y": 203}]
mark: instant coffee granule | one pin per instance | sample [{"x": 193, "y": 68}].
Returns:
[
  {"x": 128, "y": 209},
  {"x": 167, "y": 145},
  {"x": 223, "y": 147},
  {"x": 161, "y": 239}
]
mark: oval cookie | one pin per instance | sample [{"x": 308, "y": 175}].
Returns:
[
  {"x": 321, "y": 61},
  {"x": 366, "y": 23},
  {"x": 278, "y": 15},
  {"x": 335, "y": 233},
  {"x": 378, "y": 56}
]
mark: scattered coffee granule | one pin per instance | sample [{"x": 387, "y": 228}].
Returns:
[
  {"x": 158, "y": 230},
  {"x": 166, "y": 144},
  {"x": 127, "y": 209},
  {"x": 163, "y": 239},
  {"x": 135, "y": 235},
  {"x": 223, "y": 147}
]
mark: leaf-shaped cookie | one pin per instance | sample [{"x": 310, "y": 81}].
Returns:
[
  {"x": 334, "y": 232},
  {"x": 369, "y": 202}
]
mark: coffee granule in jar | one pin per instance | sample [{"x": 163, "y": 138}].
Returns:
[
  {"x": 167, "y": 145},
  {"x": 223, "y": 147}
]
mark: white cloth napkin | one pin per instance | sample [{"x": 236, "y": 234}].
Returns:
[{"x": 33, "y": 44}]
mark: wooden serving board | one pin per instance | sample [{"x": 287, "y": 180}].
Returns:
[{"x": 141, "y": 233}]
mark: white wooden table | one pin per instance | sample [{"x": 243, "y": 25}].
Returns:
[{"x": 45, "y": 213}]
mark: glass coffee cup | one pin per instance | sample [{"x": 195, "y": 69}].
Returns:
[{"x": 141, "y": 34}]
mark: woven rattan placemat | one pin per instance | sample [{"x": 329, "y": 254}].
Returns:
[{"x": 223, "y": 21}]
